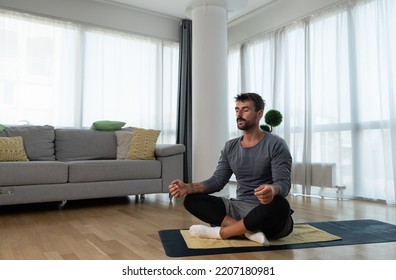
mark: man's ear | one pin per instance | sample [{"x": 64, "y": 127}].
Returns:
[{"x": 260, "y": 113}]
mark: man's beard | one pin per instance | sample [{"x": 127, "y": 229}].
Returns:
[{"x": 244, "y": 125}]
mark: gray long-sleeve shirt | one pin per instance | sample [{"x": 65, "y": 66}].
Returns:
[{"x": 268, "y": 162}]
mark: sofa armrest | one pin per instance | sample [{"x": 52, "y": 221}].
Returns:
[
  {"x": 165, "y": 150},
  {"x": 171, "y": 158}
]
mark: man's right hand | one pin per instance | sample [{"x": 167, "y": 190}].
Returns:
[{"x": 177, "y": 188}]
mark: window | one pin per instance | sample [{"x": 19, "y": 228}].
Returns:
[
  {"x": 69, "y": 75},
  {"x": 332, "y": 77},
  {"x": 37, "y": 73}
]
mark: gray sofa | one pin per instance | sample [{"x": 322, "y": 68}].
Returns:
[{"x": 71, "y": 164}]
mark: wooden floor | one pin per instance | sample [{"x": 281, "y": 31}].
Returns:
[{"x": 123, "y": 229}]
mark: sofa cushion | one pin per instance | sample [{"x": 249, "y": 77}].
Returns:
[
  {"x": 84, "y": 144},
  {"x": 12, "y": 149},
  {"x": 34, "y": 173},
  {"x": 143, "y": 144},
  {"x": 113, "y": 170},
  {"x": 38, "y": 140}
]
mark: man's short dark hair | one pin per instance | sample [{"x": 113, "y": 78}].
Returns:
[{"x": 259, "y": 103}]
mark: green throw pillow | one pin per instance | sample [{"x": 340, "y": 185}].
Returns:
[{"x": 108, "y": 125}]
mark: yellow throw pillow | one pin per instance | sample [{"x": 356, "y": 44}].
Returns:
[
  {"x": 12, "y": 149},
  {"x": 143, "y": 144}
]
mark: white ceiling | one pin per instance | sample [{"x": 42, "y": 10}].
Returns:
[{"x": 176, "y": 8}]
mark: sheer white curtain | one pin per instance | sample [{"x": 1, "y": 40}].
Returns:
[
  {"x": 258, "y": 65},
  {"x": 332, "y": 75},
  {"x": 38, "y": 63},
  {"x": 375, "y": 40},
  {"x": 169, "y": 78},
  {"x": 330, "y": 124},
  {"x": 234, "y": 87},
  {"x": 70, "y": 75},
  {"x": 131, "y": 79}
]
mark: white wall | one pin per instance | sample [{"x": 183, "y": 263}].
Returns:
[
  {"x": 272, "y": 16},
  {"x": 101, "y": 14}
]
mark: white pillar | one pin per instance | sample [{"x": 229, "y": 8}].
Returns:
[{"x": 209, "y": 83}]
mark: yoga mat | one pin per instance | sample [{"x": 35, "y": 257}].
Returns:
[
  {"x": 302, "y": 233},
  {"x": 350, "y": 232}
]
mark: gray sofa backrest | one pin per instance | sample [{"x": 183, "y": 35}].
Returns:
[
  {"x": 38, "y": 140},
  {"x": 84, "y": 144}
]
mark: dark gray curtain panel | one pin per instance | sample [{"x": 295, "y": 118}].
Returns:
[{"x": 184, "y": 114}]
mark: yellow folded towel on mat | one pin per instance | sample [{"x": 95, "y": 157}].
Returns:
[{"x": 302, "y": 233}]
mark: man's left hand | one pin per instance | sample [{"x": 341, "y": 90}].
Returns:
[{"x": 265, "y": 193}]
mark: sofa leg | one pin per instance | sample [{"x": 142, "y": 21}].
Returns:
[
  {"x": 142, "y": 197},
  {"x": 62, "y": 204}
]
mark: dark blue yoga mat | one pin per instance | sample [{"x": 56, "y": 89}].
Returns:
[{"x": 352, "y": 232}]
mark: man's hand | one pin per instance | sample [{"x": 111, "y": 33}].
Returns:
[
  {"x": 266, "y": 193},
  {"x": 177, "y": 188}
]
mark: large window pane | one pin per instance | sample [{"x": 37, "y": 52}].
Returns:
[
  {"x": 329, "y": 57},
  {"x": 70, "y": 75},
  {"x": 38, "y": 61},
  {"x": 335, "y": 84},
  {"x": 120, "y": 79}
]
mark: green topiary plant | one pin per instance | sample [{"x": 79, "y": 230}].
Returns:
[{"x": 272, "y": 119}]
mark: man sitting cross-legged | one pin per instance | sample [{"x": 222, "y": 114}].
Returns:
[{"x": 261, "y": 163}]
